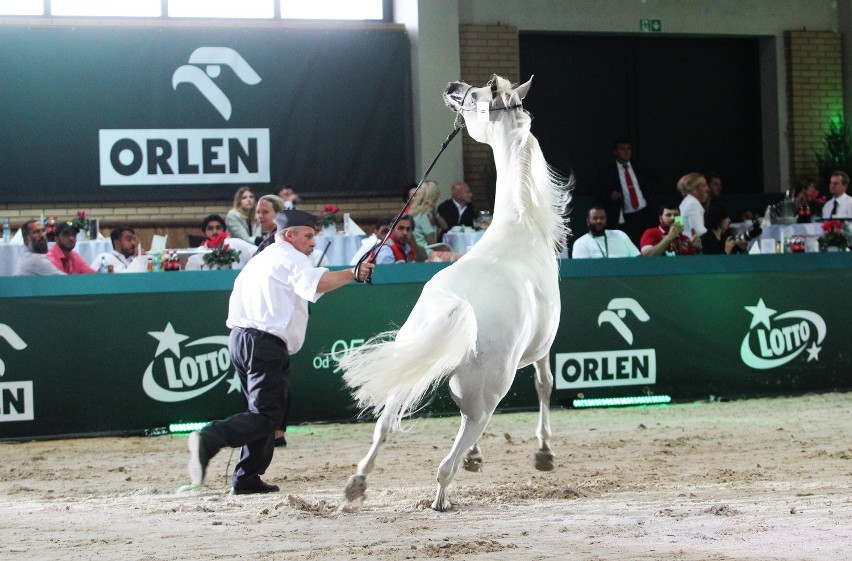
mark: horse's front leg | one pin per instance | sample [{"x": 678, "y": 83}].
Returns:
[
  {"x": 357, "y": 483},
  {"x": 543, "y": 386},
  {"x": 473, "y": 460}
]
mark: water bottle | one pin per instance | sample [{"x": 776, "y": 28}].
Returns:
[
  {"x": 102, "y": 268},
  {"x": 7, "y": 232}
]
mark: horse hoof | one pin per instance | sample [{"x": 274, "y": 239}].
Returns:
[
  {"x": 544, "y": 460},
  {"x": 355, "y": 487},
  {"x": 442, "y": 506},
  {"x": 472, "y": 463}
]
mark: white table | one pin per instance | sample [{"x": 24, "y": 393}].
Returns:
[
  {"x": 775, "y": 233},
  {"x": 461, "y": 242},
  {"x": 10, "y": 253},
  {"x": 341, "y": 250}
]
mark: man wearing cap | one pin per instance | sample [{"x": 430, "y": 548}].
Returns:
[
  {"x": 268, "y": 316},
  {"x": 62, "y": 254},
  {"x": 34, "y": 259}
]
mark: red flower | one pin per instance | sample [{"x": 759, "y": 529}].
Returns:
[
  {"x": 216, "y": 240},
  {"x": 832, "y": 226},
  {"x": 82, "y": 214},
  {"x": 331, "y": 209}
]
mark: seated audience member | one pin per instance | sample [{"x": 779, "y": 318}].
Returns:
[
  {"x": 240, "y": 220},
  {"x": 400, "y": 246},
  {"x": 267, "y": 207},
  {"x": 840, "y": 203},
  {"x": 407, "y": 196},
  {"x": 380, "y": 230},
  {"x": 212, "y": 226},
  {"x": 34, "y": 259},
  {"x": 718, "y": 239},
  {"x": 458, "y": 209},
  {"x": 667, "y": 238},
  {"x": 600, "y": 242},
  {"x": 62, "y": 254},
  {"x": 428, "y": 224},
  {"x": 123, "y": 250},
  {"x": 289, "y": 196},
  {"x": 695, "y": 192}
]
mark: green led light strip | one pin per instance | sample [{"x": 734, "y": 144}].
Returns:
[
  {"x": 614, "y": 401},
  {"x": 187, "y": 427}
]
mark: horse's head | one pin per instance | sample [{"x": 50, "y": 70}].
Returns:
[{"x": 489, "y": 103}]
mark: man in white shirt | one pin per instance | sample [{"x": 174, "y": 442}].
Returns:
[
  {"x": 380, "y": 230},
  {"x": 213, "y": 225},
  {"x": 840, "y": 203},
  {"x": 268, "y": 317},
  {"x": 693, "y": 187},
  {"x": 34, "y": 259},
  {"x": 602, "y": 243},
  {"x": 123, "y": 250}
]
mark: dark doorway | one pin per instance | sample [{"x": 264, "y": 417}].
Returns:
[{"x": 687, "y": 104}]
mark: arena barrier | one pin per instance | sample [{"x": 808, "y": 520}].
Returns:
[{"x": 130, "y": 354}]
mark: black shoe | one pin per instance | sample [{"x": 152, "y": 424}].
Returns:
[
  {"x": 255, "y": 486},
  {"x": 198, "y": 458},
  {"x": 280, "y": 442}
]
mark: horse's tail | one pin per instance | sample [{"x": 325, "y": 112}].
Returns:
[{"x": 393, "y": 371}]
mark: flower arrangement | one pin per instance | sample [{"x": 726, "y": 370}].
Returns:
[
  {"x": 833, "y": 237},
  {"x": 222, "y": 255},
  {"x": 329, "y": 216},
  {"x": 81, "y": 221}
]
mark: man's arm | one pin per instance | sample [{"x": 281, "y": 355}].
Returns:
[
  {"x": 661, "y": 247},
  {"x": 332, "y": 280}
]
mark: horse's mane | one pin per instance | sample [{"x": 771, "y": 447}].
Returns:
[{"x": 542, "y": 201}]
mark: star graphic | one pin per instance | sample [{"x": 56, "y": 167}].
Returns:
[
  {"x": 813, "y": 352},
  {"x": 169, "y": 340},
  {"x": 760, "y": 314},
  {"x": 234, "y": 384}
]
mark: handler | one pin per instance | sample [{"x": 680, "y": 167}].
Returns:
[{"x": 268, "y": 316}]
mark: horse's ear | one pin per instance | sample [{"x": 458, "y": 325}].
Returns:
[{"x": 524, "y": 88}]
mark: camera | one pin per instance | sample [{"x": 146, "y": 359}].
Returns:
[{"x": 753, "y": 232}]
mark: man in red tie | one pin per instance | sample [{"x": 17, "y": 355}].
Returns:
[{"x": 624, "y": 190}]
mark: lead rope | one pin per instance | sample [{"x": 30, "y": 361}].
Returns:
[{"x": 371, "y": 255}]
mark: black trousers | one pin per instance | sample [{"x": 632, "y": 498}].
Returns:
[
  {"x": 635, "y": 223},
  {"x": 263, "y": 364}
]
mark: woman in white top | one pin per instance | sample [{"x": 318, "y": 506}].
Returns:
[
  {"x": 240, "y": 221},
  {"x": 424, "y": 210},
  {"x": 695, "y": 192}
]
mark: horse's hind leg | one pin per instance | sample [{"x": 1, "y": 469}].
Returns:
[
  {"x": 357, "y": 483},
  {"x": 470, "y": 431},
  {"x": 543, "y": 386}
]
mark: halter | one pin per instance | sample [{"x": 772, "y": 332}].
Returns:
[{"x": 458, "y": 124}]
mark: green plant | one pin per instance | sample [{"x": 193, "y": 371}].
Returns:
[
  {"x": 837, "y": 151},
  {"x": 222, "y": 255}
]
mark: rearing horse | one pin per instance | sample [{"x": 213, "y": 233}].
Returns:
[{"x": 487, "y": 315}]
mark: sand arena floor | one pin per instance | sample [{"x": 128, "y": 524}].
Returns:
[{"x": 765, "y": 479}]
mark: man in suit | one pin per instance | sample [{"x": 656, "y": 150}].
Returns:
[
  {"x": 625, "y": 190},
  {"x": 458, "y": 210}
]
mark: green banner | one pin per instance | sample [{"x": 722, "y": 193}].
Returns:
[
  {"x": 136, "y": 114},
  {"x": 112, "y": 354}
]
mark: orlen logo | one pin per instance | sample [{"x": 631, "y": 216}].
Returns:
[
  {"x": 775, "y": 339},
  {"x": 175, "y": 378}
]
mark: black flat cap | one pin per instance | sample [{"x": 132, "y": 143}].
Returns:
[{"x": 290, "y": 218}]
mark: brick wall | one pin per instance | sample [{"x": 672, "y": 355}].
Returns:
[
  {"x": 814, "y": 93},
  {"x": 485, "y": 50}
]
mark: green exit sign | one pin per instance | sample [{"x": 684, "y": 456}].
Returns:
[{"x": 650, "y": 25}]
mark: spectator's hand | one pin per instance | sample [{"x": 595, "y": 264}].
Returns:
[
  {"x": 742, "y": 244},
  {"x": 730, "y": 242},
  {"x": 615, "y": 195},
  {"x": 674, "y": 231}
]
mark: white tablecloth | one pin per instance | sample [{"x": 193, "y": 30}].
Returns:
[
  {"x": 341, "y": 250},
  {"x": 461, "y": 242},
  {"x": 88, "y": 250},
  {"x": 775, "y": 233}
]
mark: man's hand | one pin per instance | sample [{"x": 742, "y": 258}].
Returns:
[
  {"x": 674, "y": 231},
  {"x": 364, "y": 271}
]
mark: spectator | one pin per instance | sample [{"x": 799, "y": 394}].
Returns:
[
  {"x": 694, "y": 189},
  {"x": 399, "y": 247},
  {"x": 380, "y": 230},
  {"x": 267, "y": 207},
  {"x": 840, "y": 203},
  {"x": 427, "y": 222},
  {"x": 62, "y": 254},
  {"x": 212, "y": 226},
  {"x": 34, "y": 259},
  {"x": 600, "y": 242},
  {"x": 407, "y": 195},
  {"x": 718, "y": 239},
  {"x": 714, "y": 187},
  {"x": 458, "y": 209},
  {"x": 124, "y": 246},
  {"x": 667, "y": 238},
  {"x": 240, "y": 220},
  {"x": 289, "y": 196},
  {"x": 625, "y": 189},
  {"x": 268, "y": 316}
]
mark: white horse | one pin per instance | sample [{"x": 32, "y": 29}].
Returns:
[{"x": 487, "y": 315}]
